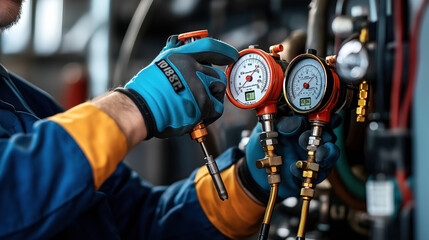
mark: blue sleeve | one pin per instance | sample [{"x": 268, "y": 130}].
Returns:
[
  {"x": 43, "y": 192},
  {"x": 41, "y": 103},
  {"x": 142, "y": 211},
  {"x": 45, "y": 181}
]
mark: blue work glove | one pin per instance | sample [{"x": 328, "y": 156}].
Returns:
[
  {"x": 179, "y": 88},
  {"x": 293, "y": 139}
]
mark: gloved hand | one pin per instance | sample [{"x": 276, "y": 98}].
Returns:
[
  {"x": 179, "y": 88},
  {"x": 292, "y": 146}
]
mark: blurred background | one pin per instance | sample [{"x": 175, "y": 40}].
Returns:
[{"x": 78, "y": 49}]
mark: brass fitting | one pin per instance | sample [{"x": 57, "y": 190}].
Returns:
[
  {"x": 269, "y": 149},
  {"x": 269, "y": 162},
  {"x": 199, "y": 133},
  {"x": 274, "y": 178},
  {"x": 309, "y": 174},
  {"x": 364, "y": 86},
  {"x": 276, "y": 49},
  {"x": 331, "y": 60},
  {"x": 307, "y": 185},
  {"x": 364, "y": 35},
  {"x": 362, "y": 102},
  {"x": 305, "y": 165},
  {"x": 307, "y": 192},
  {"x": 310, "y": 171}
]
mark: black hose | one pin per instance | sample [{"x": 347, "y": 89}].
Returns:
[
  {"x": 316, "y": 29},
  {"x": 263, "y": 233},
  {"x": 381, "y": 51}
]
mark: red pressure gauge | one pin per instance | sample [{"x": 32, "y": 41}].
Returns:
[
  {"x": 255, "y": 81},
  {"x": 311, "y": 87}
]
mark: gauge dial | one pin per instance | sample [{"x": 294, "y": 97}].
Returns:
[
  {"x": 305, "y": 84},
  {"x": 249, "y": 79},
  {"x": 353, "y": 61}
]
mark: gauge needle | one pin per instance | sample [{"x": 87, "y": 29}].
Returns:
[
  {"x": 249, "y": 77},
  {"x": 306, "y": 85}
]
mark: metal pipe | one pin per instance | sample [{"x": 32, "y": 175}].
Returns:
[
  {"x": 129, "y": 41},
  {"x": 263, "y": 234},
  {"x": 303, "y": 219},
  {"x": 316, "y": 36},
  {"x": 205, "y": 151}
]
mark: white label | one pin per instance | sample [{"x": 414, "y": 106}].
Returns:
[{"x": 380, "y": 198}]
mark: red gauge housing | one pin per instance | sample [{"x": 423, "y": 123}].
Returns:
[
  {"x": 267, "y": 104},
  {"x": 330, "y": 93},
  {"x": 324, "y": 114}
]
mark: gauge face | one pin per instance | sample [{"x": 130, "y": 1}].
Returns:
[
  {"x": 352, "y": 62},
  {"x": 249, "y": 79},
  {"x": 306, "y": 84}
]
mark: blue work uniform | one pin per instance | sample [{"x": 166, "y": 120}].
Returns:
[{"x": 61, "y": 177}]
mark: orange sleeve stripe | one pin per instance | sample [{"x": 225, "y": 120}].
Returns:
[
  {"x": 99, "y": 137},
  {"x": 237, "y": 217}
]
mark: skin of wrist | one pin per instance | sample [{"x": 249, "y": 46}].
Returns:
[{"x": 125, "y": 113}]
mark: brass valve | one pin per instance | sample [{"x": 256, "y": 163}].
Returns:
[
  {"x": 276, "y": 49},
  {"x": 199, "y": 133},
  {"x": 331, "y": 60},
  {"x": 362, "y": 102},
  {"x": 363, "y": 87},
  {"x": 364, "y": 35},
  {"x": 310, "y": 170},
  {"x": 271, "y": 162}
]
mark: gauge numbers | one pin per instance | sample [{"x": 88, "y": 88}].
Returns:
[
  {"x": 306, "y": 84},
  {"x": 249, "y": 79}
]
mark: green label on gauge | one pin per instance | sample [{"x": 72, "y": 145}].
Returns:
[
  {"x": 305, "y": 101},
  {"x": 250, "y": 95}
]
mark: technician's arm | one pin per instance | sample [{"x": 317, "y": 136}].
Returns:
[
  {"x": 50, "y": 169},
  {"x": 126, "y": 114}
]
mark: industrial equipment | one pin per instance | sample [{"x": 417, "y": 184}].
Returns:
[
  {"x": 311, "y": 87},
  {"x": 254, "y": 82},
  {"x": 368, "y": 65},
  {"x": 199, "y": 132}
]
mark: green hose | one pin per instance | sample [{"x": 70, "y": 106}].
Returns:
[{"x": 355, "y": 185}]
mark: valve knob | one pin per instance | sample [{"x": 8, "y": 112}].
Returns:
[
  {"x": 192, "y": 36},
  {"x": 276, "y": 49}
]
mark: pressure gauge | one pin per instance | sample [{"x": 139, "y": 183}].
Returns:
[
  {"x": 308, "y": 84},
  {"x": 352, "y": 62},
  {"x": 254, "y": 80}
]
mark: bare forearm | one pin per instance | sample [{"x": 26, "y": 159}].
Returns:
[{"x": 125, "y": 113}]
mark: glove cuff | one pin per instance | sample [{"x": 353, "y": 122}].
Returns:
[
  {"x": 251, "y": 185},
  {"x": 143, "y": 108}
]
